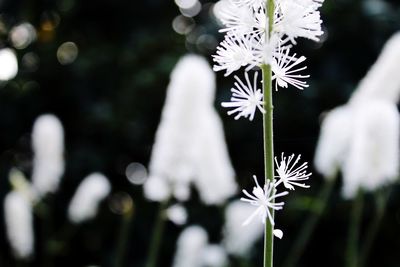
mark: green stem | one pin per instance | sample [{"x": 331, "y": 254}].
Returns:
[
  {"x": 158, "y": 232},
  {"x": 381, "y": 199},
  {"x": 268, "y": 137},
  {"x": 123, "y": 237},
  {"x": 354, "y": 231},
  {"x": 44, "y": 211},
  {"x": 318, "y": 207}
]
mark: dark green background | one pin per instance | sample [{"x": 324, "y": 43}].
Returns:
[{"x": 109, "y": 101}]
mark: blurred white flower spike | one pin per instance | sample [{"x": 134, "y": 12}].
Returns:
[
  {"x": 48, "y": 148},
  {"x": 373, "y": 156},
  {"x": 237, "y": 242},
  {"x": 19, "y": 224},
  {"x": 264, "y": 200},
  {"x": 85, "y": 203},
  {"x": 190, "y": 145},
  {"x": 190, "y": 245},
  {"x": 361, "y": 138}
]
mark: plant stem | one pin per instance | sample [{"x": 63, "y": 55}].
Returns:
[
  {"x": 318, "y": 206},
  {"x": 123, "y": 237},
  {"x": 268, "y": 137},
  {"x": 354, "y": 231},
  {"x": 158, "y": 232},
  {"x": 381, "y": 199}
]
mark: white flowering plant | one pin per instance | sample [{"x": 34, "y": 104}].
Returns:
[{"x": 260, "y": 35}]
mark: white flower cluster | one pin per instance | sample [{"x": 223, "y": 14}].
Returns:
[
  {"x": 252, "y": 41},
  {"x": 194, "y": 250},
  {"x": 190, "y": 147},
  {"x": 361, "y": 138},
  {"x": 290, "y": 174}
]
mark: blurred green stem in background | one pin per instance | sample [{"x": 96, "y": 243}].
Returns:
[
  {"x": 381, "y": 198},
  {"x": 244, "y": 262},
  {"x": 318, "y": 207},
  {"x": 44, "y": 210},
  {"x": 158, "y": 232},
  {"x": 268, "y": 139},
  {"x": 354, "y": 230},
  {"x": 124, "y": 235}
]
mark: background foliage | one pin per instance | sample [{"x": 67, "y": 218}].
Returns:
[{"x": 110, "y": 98}]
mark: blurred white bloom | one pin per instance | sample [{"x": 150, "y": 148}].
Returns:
[
  {"x": 245, "y": 98},
  {"x": 190, "y": 245},
  {"x": 8, "y": 64},
  {"x": 189, "y": 121},
  {"x": 177, "y": 214},
  {"x": 373, "y": 157},
  {"x": 362, "y": 140},
  {"x": 215, "y": 175},
  {"x": 383, "y": 80},
  {"x": 84, "y": 204},
  {"x": 236, "y": 240},
  {"x": 334, "y": 141},
  {"x": 48, "y": 148},
  {"x": 156, "y": 189},
  {"x": 214, "y": 256},
  {"x": 19, "y": 224},
  {"x": 264, "y": 200},
  {"x": 289, "y": 174}
]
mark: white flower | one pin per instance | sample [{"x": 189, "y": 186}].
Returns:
[
  {"x": 215, "y": 166},
  {"x": 245, "y": 98},
  {"x": 255, "y": 4},
  {"x": 19, "y": 224},
  {"x": 373, "y": 156},
  {"x": 236, "y": 240},
  {"x": 233, "y": 53},
  {"x": 298, "y": 20},
  {"x": 48, "y": 148},
  {"x": 334, "y": 141},
  {"x": 383, "y": 80},
  {"x": 190, "y": 245},
  {"x": 289, "y": 174},
  {"x": 214, "y": 256},
  {"x": 264, "y": 200},
  {"x": 284, "y": 73},
  {"x": 177, "y": 214},
  {"x": 189, "y": 146},
  {"x": 241, "y": 20},
  {"x": 156, "y": 189},
  {"x": 84, "y": 204}
]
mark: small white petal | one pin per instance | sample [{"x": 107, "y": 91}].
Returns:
[{"x": 278, "y": 233}]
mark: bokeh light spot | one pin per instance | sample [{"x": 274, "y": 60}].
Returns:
[
  {"x": 8, "y": 64},
  {"x": 22, "y": 35},
  {"x": 67, "y": 53},
  {"x": 136, "y": 173}
]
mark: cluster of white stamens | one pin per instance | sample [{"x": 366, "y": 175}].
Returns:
[{"x": 251, "y": 42}]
